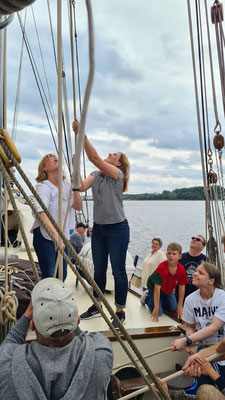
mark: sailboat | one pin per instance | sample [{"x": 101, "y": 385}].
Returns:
[{"x": 146, "y": 336}]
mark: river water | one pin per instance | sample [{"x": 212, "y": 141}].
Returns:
[{"x": 172, "y": 221}]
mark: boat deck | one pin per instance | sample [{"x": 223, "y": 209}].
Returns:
[{"x": 137, "y": 316}]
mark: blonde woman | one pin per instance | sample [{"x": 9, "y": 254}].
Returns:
[
  {"x": 47, "y": 188},
  {"x": 110, "y": 234}
]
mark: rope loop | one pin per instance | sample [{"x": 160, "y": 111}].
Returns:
[{"x": 217, "y": 128}]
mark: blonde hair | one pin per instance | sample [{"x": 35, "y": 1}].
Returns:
[
  {"x": 42, "y": 176},
  {"x": 125, "y": 168},
  {"x": 175, "y": 247},
  {"x": 213, "y": 273}
]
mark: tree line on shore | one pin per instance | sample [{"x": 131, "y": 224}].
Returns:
[{"x": 192, "y": 193}]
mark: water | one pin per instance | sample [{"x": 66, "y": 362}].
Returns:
[{"x": 172, "y": 221}]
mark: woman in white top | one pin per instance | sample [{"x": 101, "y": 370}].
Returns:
[
  {"x": 152, "y": 261},
  {"x": 47, "y": 188},
  {"x": 204, "y": 313}
]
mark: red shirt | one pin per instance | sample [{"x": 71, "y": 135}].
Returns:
[{"x": 162, "y": 276}]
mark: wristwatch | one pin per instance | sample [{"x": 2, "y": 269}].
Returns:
[{"x": 188, "y": 341}]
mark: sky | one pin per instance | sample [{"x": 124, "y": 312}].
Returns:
[{"x": 142, "y": 101}]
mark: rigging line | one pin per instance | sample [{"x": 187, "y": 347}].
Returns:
[
  {"x": 38, "y": 81},
  {"x": 221, "y": 185},
  {"x": 52, "y": 34},
  {"x": 35, "y": 65},
  {"x": 67, "y": 159},
  {"x": 211, "y": 67},
  {"x": 204, "y": 84},
  {"x": 16, "y": 109},
  {"x": 79, "y": 92},
  {"x": 70, "y": 19},
  {"x": 220, "y": 60},
  {"x": 200, "y": 78},
  {"x": 197, "y": 107},
  {"x": 44, "y": 69},
  {"x": 36, "y": 76}
]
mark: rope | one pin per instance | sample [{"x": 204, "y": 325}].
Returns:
[
  {"x": 82, "y": 266},
  {"x": 11, "y": 6},
  {"x": 168, "y": 378},
  {"x": 81, "y": 129},
  {"x": 18, "y": 220}
]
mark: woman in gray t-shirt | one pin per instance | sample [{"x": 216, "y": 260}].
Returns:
[{"x": 110, "y": 234}]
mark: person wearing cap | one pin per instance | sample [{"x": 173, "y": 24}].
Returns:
[
  {"x": 64, "y": 362},
  {"x": 76, "y": 238}
]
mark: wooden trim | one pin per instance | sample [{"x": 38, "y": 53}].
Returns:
[{"x": 143, "y": 333}]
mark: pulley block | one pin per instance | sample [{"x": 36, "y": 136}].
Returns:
[
  {"x": 218, "y": 141},
  {"x": 211, "y": 178},
  {"x": 217, "y": 13}
]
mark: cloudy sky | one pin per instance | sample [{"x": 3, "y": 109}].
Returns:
[{"x": 142, "y": 99}]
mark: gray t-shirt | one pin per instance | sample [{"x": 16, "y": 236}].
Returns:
[{"x": 108, "y": 198}]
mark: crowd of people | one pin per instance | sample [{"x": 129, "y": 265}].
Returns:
[
  {"x": 188, "y": 284},
  {"x": 65, "y": 362}
]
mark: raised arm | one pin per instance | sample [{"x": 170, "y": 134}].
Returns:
[{"x": 105, "y": 167}]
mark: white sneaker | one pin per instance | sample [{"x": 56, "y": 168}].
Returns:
[{"x": 143, "y": 297}]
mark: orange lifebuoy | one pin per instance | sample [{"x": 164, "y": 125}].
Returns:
[{"x": 12, "y": 148}]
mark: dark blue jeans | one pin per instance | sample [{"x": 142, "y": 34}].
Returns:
[
  {"x": 167, "y": 301},
  {"x": 46, "y": 254},
  {"x": 111, "y": 240}
]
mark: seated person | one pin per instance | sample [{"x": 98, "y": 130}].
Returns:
[
  {"x": 191, "y": 260},
  {"x": 163, "y": 281},
  {"x": 204, "y": 312},
  {"x": 64, "y": 362},
  {"x": 152, "y": 261},
  {"x": 76, "y": 238}
]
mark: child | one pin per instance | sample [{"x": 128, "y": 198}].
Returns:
[
  {"x": 162, "y": 282},
  {"x": 208, "y": 370}
]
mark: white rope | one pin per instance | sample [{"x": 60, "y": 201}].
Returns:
[{"x": 81, "y": 130}]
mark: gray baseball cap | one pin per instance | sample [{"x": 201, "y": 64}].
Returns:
[{"x": 54, "y": 307}]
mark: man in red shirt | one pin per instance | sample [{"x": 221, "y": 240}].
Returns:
[{"x": 163, "y": 281}]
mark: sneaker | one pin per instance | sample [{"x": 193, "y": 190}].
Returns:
[
  {"x": 143, "y": 297},
  {"x": 121, "y": 316},
  {"x": 92, "y": 312}
]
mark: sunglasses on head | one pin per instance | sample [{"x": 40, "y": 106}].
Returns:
[{"x": 197, "y": 239}]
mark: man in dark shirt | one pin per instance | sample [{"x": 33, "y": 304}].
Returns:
[{"x": 192, "y": 259}]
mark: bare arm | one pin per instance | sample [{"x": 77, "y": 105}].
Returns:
[
  {"x": 77, "y": 201},
  {"x": 156, "y": 302},
  {"x": 180, "y": 344},
  {"x": 105, "y": 168},
  {"x": 180, "y": 301},
  {"x": 86, "y": 184}
]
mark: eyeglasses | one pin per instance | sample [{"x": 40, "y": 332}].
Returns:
[
  {"x": 197, "y": 239},
  {"x": 52, "y": 159}
]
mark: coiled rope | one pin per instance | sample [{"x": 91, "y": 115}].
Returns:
[{"x": 12, "y": 6}]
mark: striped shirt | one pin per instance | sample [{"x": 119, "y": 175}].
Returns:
[{"x": 108, "y": 198}]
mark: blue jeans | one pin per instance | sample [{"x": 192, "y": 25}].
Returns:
[
  {"x": 167, "y": 301},
  {"x": 111, "y": 240},
  {"x": 46, "y": 254}
]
